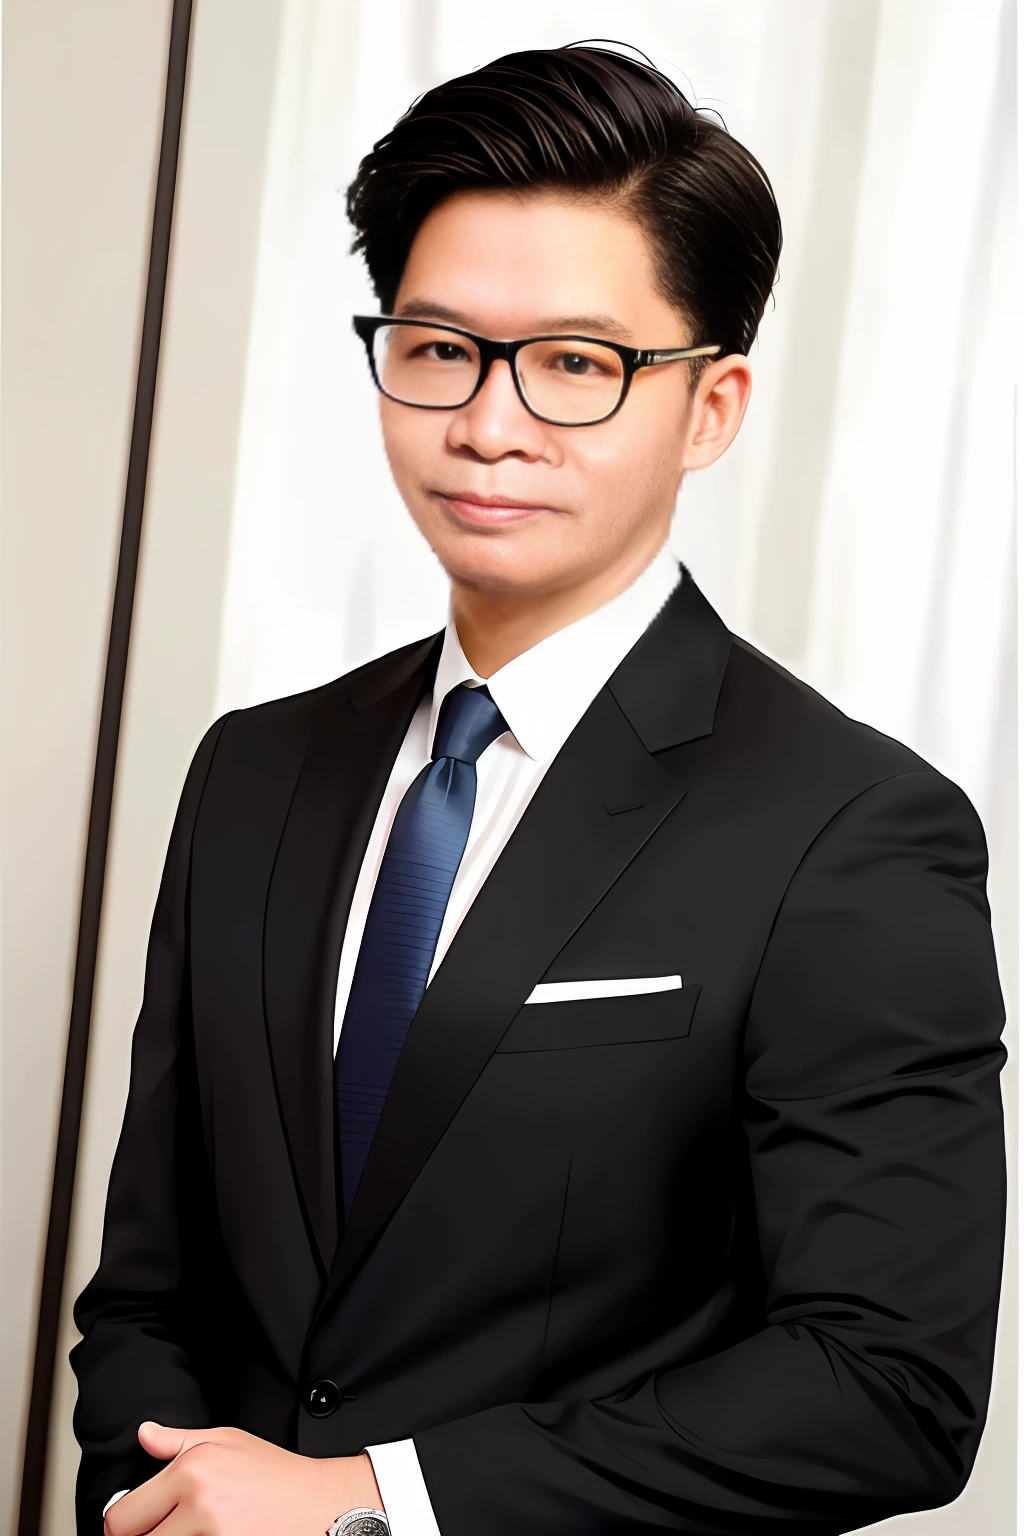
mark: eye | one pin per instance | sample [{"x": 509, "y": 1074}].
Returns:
[
  {"x": 578, "y": 365},
  {"x": 444, "y": 352}
]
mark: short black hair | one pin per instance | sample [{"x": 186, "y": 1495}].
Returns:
[{"x": 587, "y": 120}]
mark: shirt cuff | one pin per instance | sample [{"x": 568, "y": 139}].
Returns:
[
  {"x": 111, "y": 1502},
  {"x": 396, "y": 1467}
]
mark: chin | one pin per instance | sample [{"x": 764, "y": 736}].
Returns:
[
  {"x": 484, "y": 575},
  {"x": 487, "y": 566},
  {"x": 499, "y": 563}
]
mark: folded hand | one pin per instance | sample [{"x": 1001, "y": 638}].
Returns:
[{"x": 224, "y": 1482}]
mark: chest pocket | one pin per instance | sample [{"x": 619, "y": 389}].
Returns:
[{"x": 594, "y": 1021}]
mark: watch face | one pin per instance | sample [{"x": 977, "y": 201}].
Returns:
[{"x": 367, "y": 1525}]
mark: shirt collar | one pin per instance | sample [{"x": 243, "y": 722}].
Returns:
[{"x": 545, "y": 692}]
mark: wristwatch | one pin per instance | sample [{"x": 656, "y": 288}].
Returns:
[{"x": 361, "y": 1522}]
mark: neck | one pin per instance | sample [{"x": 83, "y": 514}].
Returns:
[{"x": 496, "y": 626}]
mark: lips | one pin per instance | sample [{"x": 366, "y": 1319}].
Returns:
[{"x": 490, "y": 511}]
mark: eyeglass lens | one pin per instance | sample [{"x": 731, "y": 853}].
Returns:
[{"x": 569, "y": 382}]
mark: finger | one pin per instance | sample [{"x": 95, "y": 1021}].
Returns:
[
  {"x": 164, "y": 1443},
  {"x": 160, "y": 1441},
  {"x": 143, "y": 1510},
  {"x": 178, "y": 1523}
]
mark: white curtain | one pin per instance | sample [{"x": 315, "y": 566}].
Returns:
[{"x": 861, "y": 529}]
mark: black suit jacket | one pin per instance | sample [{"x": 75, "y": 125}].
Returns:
[{"x": 718, "y": 1260}]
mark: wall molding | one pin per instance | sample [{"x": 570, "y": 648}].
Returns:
[{"x": 104, "y": 773}]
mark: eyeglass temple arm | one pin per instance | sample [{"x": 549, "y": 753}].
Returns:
[{"x": 674, "y": 355}]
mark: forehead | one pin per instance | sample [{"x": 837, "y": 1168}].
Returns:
[{"x": 509, "y": 263}]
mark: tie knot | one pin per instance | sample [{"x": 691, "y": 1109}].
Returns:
[{"x": 469, "y": 720}]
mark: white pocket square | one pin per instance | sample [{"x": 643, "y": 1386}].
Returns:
[{"x": 577, "y": 991}]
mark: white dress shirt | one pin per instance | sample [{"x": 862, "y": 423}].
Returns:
[{"x": 542, "y": 694}]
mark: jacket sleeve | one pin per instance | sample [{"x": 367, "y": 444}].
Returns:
[
  {"x": 133, "y": 1362},
  {"x": 873, "y": 1121}
]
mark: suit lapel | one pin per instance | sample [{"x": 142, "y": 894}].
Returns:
[
  {"x": 329, "y": 821},
  {"x": 600, "y": 801},
  {"x": 570, "y": 847}
]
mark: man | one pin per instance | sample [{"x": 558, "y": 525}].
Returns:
[{"x": 565, "y": 1097}]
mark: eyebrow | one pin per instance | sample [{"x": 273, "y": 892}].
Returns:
[{"x": 424, "y": 309}]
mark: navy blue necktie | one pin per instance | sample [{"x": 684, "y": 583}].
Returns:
[{"x": 420, "y": 863}]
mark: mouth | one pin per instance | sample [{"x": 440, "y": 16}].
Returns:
[{"x": 473, "y": 509}]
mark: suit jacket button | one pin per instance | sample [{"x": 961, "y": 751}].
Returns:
[{"x": 323, "y": 1399}]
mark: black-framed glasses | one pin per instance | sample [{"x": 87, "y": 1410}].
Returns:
[{"x": 567, "y": 381}]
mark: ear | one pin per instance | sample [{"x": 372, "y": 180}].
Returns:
[{"x": 719, "y": 405}]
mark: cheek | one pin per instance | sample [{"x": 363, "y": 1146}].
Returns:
[
  {"x": 636, "y": 462},
  {"x": 413, "y": 440}
]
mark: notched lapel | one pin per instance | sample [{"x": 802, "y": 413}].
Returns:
[
  {"x": 668, "y": 685},
  {"x": 322, "y": 843},
  {"x": 562, "y": 858}
]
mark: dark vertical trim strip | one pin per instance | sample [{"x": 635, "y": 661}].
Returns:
[{"x": 69, "y": 1124}]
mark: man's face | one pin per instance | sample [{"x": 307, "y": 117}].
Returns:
[{"x": 508, "y": 502}]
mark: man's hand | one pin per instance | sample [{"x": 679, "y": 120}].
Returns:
[{"x": 223, "y": 1482}]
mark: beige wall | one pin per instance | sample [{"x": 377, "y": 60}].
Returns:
[
  {"x": 82, "y": 96},
  {"x": 175, "y": 637}
]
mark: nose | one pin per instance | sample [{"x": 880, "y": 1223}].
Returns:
[{"x": 495, "y": 424}]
